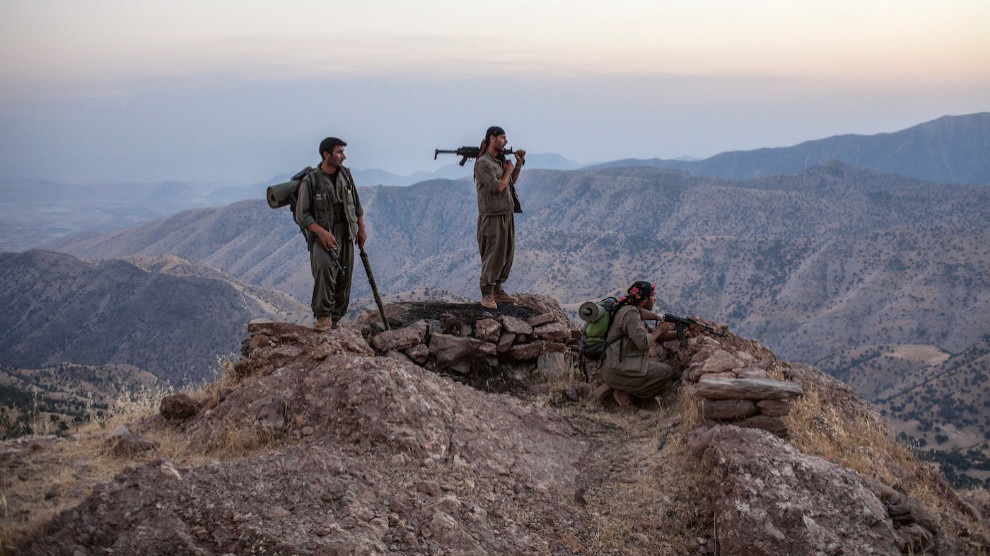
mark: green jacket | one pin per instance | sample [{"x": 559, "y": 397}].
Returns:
[{"x": 319, "y": 194}]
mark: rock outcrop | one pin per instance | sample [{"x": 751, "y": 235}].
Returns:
[{"x": 365, "y": 441}]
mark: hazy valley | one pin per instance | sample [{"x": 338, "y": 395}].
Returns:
[{"x": 879, "y": 279}]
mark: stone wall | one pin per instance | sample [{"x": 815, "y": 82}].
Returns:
[
  {"x": 734, "y": 386},
  {"x": 533, "y": 340}
]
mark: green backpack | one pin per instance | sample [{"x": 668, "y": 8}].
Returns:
[{"x": 598, "y": 316}]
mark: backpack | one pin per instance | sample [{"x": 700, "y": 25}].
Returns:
[
  {"x": 288, "y": 194},
  {"x": 598, "y": 316}
]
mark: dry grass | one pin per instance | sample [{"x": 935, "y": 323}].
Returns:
[
  {"x": 645, "y": 498},
  {"x": 862, "y": 442},
  {"x": 853, "y": 439},
  {"x": 53, "y": 474}
]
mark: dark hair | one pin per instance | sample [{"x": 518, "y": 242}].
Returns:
[
  {"x": 493, "y": 131},
  {"x": 328, "y": 144}
]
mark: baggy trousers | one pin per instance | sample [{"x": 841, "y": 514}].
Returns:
[
  {"x": 496, "y": 243},
  {"x": 331, "y": 287},
  {"x": 657, "y": 378}
]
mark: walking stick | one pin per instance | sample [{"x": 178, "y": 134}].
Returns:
[{"x": 374, "y": 287}]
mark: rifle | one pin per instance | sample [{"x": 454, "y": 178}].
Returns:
[
  {"x": 682, "y": 323},
  {"x": 466, "y": 153},
  {"x": 311, "y": 239}
]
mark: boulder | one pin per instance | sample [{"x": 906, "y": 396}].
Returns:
[
  {"x": 774, "y": 408},
  {"x": 516, "y": 326},
  {"x": 178, "y": 406},
  {"x": 401, "y": 338},
  {"x": 487, "y": 330},
  {"x": 720, "y": 361},
  {"x": 552, "y": 365},
  {"x": 448, "y": 348},
  {"x": 525, "y": 352},
  {"x": 419, "y": 353},
  {"x": 727, "y": 410},
  {"x": 505, "y": 342},
  {"x": 554, "y": 332},
  {"x": 540, "y": 320}
]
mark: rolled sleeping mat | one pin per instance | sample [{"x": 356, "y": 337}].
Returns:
[
  {"x": 589, "y": 311},
  {"x": 278, "y": 195}
]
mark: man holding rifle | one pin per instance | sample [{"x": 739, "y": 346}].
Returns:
[
  {"x": 495, "y": 179},
  {"x": 627, "y": 367},
  {"x": 330, "y": 211}
]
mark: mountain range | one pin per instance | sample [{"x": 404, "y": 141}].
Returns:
[
  {"x": 836, "y": 266},
  {"x": 878, "y": 278},
  {"x": 951, "y": 149},
  {"x": 162, "y": 314}
]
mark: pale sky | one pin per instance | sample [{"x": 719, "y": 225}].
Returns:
[{"x": 241, "y": 90}]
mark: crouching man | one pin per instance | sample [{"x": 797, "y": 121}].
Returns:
[{"x": 627, "y": 367}]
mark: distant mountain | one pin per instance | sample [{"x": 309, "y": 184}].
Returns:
[
  {"x": 951, "y": 149},
  {"x": 534, "y": 161},
  {"x": 171, "y": 320},
  {"x": 834, "y": 265}
]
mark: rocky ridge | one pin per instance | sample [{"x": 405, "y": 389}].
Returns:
[{"x": 357, "y": 441}]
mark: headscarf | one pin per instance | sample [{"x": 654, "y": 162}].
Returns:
[
  {"x": 493, "y": 131},
  {"x": 637, "y": 292}
]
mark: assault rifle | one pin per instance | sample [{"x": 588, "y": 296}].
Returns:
[
  {"x": 466, "y": 153},
  {"x": 311, "y": 239},
  {"x": 683, "y": 323}
]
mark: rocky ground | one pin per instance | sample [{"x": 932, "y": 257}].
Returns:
[{"x": 470, "y": 432}]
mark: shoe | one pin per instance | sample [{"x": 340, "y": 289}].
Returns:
[
  {"x": 502, "y": 297},
  {"x": 324, "y": 323},
  {"x": 488, "y": 302}
]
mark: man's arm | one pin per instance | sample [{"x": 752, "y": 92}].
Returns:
[
  {"x": 635, "y": 330},
  {"x": 304, "y": 216},
  {"x": 520, "y": 161},
  {"x": 362, "y": 233},
  {"x": 486, "y": 172}
]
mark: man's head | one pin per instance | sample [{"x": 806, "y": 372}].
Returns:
[
  {"x": 332, "y": 151},
  {"x": 641, "y": 294},
  {"x": 494, "y": 138}
]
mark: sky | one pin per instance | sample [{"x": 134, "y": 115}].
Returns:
[{"x": 240, "y": 91}]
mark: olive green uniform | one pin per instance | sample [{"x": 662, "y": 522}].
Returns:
[
  {"x": 496, "y": 223},
  {"x": 332, "y": 202},
  {"x": 627, "y": 366}
]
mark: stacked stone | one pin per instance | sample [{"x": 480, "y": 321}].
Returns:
[
  {"x": 736, "y": 388},
  {"x": 542, "y": 343}
]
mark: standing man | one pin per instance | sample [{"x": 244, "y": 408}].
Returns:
[
  {"x": 329, "y": 210},
  {"x": 627, "y": 367},
  {"x": 495, "y": 179}
]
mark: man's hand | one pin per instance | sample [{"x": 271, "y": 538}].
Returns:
[
  {"x": 508, "y": 167},
  {"x": 658, "y": 334},
  {"x": 327, "y": 240},
  {"x": 362, "y": 237},
  {"x": 520, "y": 157},
  {"x": 665, "y": 331}
]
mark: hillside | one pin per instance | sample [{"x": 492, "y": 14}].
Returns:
[
  {"x": 60, "y": 399},
  {"x": 171, "y": 320},
  {"x": 833, "y": 266},
  {"x": 951, "y": 149},
  {"x": 317, "y": 444}
]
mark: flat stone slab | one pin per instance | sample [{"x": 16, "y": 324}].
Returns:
[{"x": 747, "y": 389}]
